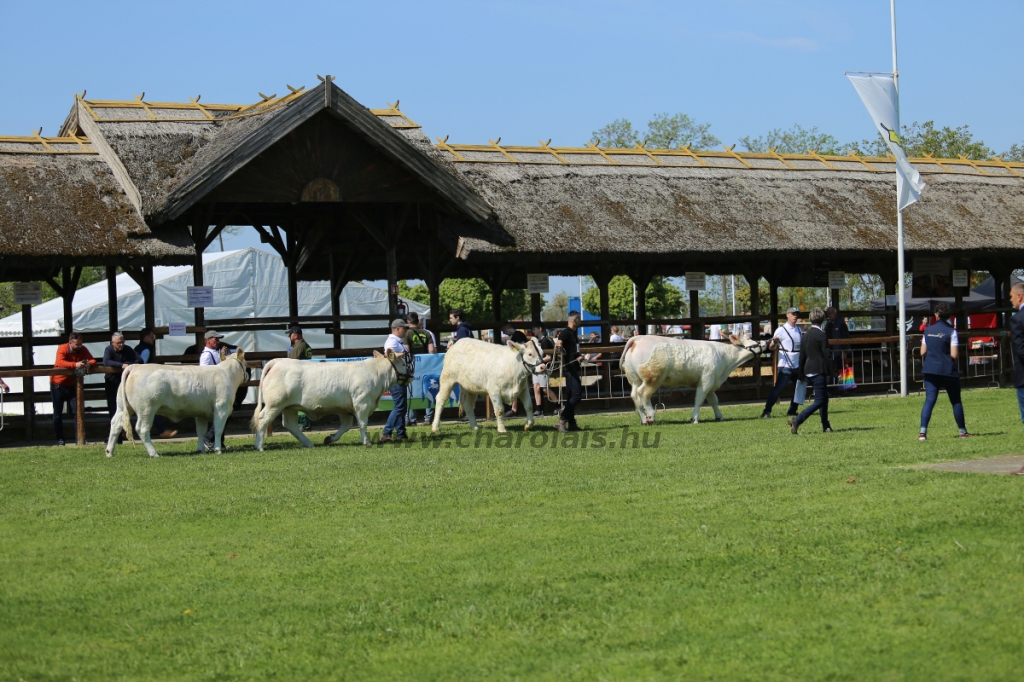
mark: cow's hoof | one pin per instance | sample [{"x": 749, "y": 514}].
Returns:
[
  {"x": 693, "y": 421},
  {"x": 719, "y": 419},
  {"x": 154, "y": 455},
  {"x": 327, "y": 440},
  {"x": 527, "y": 427},
  {"x": 110, "y": 454}
]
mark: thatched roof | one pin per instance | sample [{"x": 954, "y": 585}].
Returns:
[
  {"x": 622, "y": 203},
  {"x": 67, "y": 208}
]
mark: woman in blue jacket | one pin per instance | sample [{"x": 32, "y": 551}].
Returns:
[{"x": 939, "y": 352}]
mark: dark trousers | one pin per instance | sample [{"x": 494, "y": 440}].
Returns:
[
  {"x": 785, "y": 376},
  {"x": 933, "y": 383},
  {"x": 1020, "y": 402},
  {"x": 396, "y": 420},
  {"x": 819, "y": 383},
  {"x": 60, "y": 395},
  {"x": 575, "y": 388}
]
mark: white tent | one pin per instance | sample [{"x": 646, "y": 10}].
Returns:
[{"x": 246, "y": 284}]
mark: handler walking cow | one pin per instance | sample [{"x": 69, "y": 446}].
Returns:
[
  {"x": 651, "y": 362},
  {"x": 347, "y": 389},
  {"x": 502, "y": 373},
  {"x": 177, "y": 391}
]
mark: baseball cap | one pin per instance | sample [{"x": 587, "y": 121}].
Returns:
[
  {"x": 399, "y": 322},
  {"x": 211, "y": 334},
  {"x": 792, "y": 310},
  {"x": 295, "y": 330}
]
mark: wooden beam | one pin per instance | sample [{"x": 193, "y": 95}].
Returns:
[
  {"x": 112, "y": 298},
  {"x": 28, "y": 402},
  {"x": 696, "y": 328},
  {"x": 113, "y": 161}
]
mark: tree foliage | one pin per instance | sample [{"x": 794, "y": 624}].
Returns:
[
  {"x": 1014, "y": 153},
  {"x": 796, "y": 140},
  {"x": 664, "y": 131},
  {"x": 472, "y": 296},
  {"x": 558, "y": 309},
  {"x": 922, "y": 139},
  {"x": 664, "y": 299}
]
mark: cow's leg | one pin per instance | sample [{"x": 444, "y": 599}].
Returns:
[
  {"x": 346, "y": 424},
  {"x": 116, "y": 426},
  {"x": 363, "y": 420},
  {"x": 220, "y": 422},
  {"x": 526, "y": 399},
  {"x": 443, "y": 393},
  {"x": 144, "y": 425},
  {"x": 713, "y": 401},
  {"x": 634, "y": 393},
  {"x": 261, "y": 421},
  {"x": 290, "y": 420},
  {"x": 202, "y": 426},
  {"x": 643, "y": 394},
  {"x": 698, "y": 400},
  {"x": 499, "y": 408},
  {"x": 469, "y": 405}
]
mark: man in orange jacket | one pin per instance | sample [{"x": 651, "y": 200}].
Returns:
[{"x": 71, "y": 355}]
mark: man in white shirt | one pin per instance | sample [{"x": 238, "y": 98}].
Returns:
[
  {"x": 396, "y": 420},
  {"x": 787, "y": 339},
  {"x": 617, "y": 336},
  {"x": 211, "y": 356}
]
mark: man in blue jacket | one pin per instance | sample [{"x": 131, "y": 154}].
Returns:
[{"x": 116, "y": 355}]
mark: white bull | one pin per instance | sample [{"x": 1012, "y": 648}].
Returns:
[
  {"x": 351, "y": 390},
  {"x": 500, "y": 372},
  {"x": 176, "y": 392},
  {"x": 652, "y": 362}
]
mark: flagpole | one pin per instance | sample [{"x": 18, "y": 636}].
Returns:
[{"x": 900, "y": 264}]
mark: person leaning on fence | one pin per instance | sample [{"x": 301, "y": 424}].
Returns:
[
  {"x": 70, "y": 355},
  {"x": 541, "y": 389},
  {"x": 818, "y": 369},
  {"x": 116, "y": 355},
  {"x": 420, "y": 342},
  {"x": 787, "y": 339},
  {"x": 146, "y": 352},
  {"x": 939, "y": 353},
  {"x": 394, "y": 428},
  {"x": 569, "y": 344}
]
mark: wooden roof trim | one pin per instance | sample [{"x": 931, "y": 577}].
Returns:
[
  {"x": 92, "y": 131},
  {"x": 46, "y": 144}
]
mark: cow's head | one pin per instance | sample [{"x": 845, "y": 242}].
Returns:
[
  {"x": 756, "y": 347},
  {"x": 531, "y": 355},
  {"x": 401, "y": 364}
]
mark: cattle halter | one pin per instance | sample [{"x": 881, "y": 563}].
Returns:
[
  {"x": 540, "y": 352},
  {"x": 400, "y": 378}
]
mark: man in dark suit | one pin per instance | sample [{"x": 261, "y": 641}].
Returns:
[
  {"x": 817, "y": 367},
  {"x": 1017, "y": 344}
]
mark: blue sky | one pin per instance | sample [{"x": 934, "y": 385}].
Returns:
[{"x": 529, "y": 70}]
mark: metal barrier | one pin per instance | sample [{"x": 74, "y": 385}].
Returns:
[{"x": 981, "y": 357}]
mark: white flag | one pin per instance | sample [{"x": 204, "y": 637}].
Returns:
[{"x": 879, "y": 96}]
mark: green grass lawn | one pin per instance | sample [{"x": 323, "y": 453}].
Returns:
[{"x": 731, "y": 550}]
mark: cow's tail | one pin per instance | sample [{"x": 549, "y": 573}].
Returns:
[
  {"x": 254, "y": 423},
  {"x": 123, "y": 406}
]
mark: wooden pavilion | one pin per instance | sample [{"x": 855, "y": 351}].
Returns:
[{"x": 347, "y": 193}]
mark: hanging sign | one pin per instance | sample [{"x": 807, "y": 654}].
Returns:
[
  {"x": 393, "y": 290},
  {"x": 836, "y": 279},
  {"x": 696, "y": 281},
  {"x": 537, "y": 284},
  {"x": 891, "y": 300},
  {"x": 176, "y": 329},
  {"x": 961, "y": 278},
  {"x": 200, "y": 297},
  {"x": 28, "y": 293}
]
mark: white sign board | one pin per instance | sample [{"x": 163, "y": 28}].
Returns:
[
  {"x": 696, "y": 281},
  {"x": 891, "y": 300},
  {"x": 537, "y": 284},
  {"x": 176, "y": 329},
  {"x": 200, "y": 297},
  {"x": 961, "y": 278},
  {"x": 28, "y": 293},
  {"x": 836, "y": 279}
]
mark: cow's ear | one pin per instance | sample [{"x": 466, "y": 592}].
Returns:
[
  {"x": 241, "y": 354},
  {"x": 734, "y": 338},
  {"x": 377, "y": 354},
  {"x": 517, "y": 347},
  {"x": 391, "y": 354}
]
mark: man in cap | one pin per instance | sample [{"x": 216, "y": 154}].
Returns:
[
  {"x": 211, "y": 356},
  {"x": 787, "y": 339},
  {"x": 300, "y": 350},
  {"x": 71, "y": 355},
  {"x": 396, "y": 420}
]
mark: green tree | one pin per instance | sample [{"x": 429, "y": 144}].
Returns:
[
  {"x": 664, "y": 299},
  {"x": 920, "y": 139},
  {"x": 1014, "y": 153},
  {"x": 90, "y": 275},
  {"x": 558, "y": 309},
  {"x": 796, "y": 140},
  {"x": 664, "y": 131},
  {"x": 472, "y": 296}
]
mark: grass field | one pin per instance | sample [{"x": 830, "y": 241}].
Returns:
[{"x": 730, "y": 550}]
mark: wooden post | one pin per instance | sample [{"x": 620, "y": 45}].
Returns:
[
  {"x": 112, "y": 297},
  {"x": 641, "y": 280},
  {"x": 1002, "y": 291},
  {"x": 535, "y": 309},
  {"x": 696, "y": 326},
  {"x": 67, "y": 297},
  {"x": 496, "y": 291},
  {"x": 391, "y": 254},
  {"x": 199, "y": 239},
  {"x": 437, "y": 316},
  {"x": 291, "y": 261},
  {"x": 755, "y": 326},
  {"x": 889, "y": 284},
  {"x": 335, "y": 302},
  {"x": 27, "y": 383},
  {"x": 80, "y": 408},
  {"x": 958, "y": 301},
  {"x": 149, "y": 296}
]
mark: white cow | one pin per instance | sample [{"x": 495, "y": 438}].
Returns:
[
  {"x": 176, "y": 392},
  {"x": 650, "y": 362},
  {"x": 350, "y": 390},
  {"x": 500, "y": 372}
]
